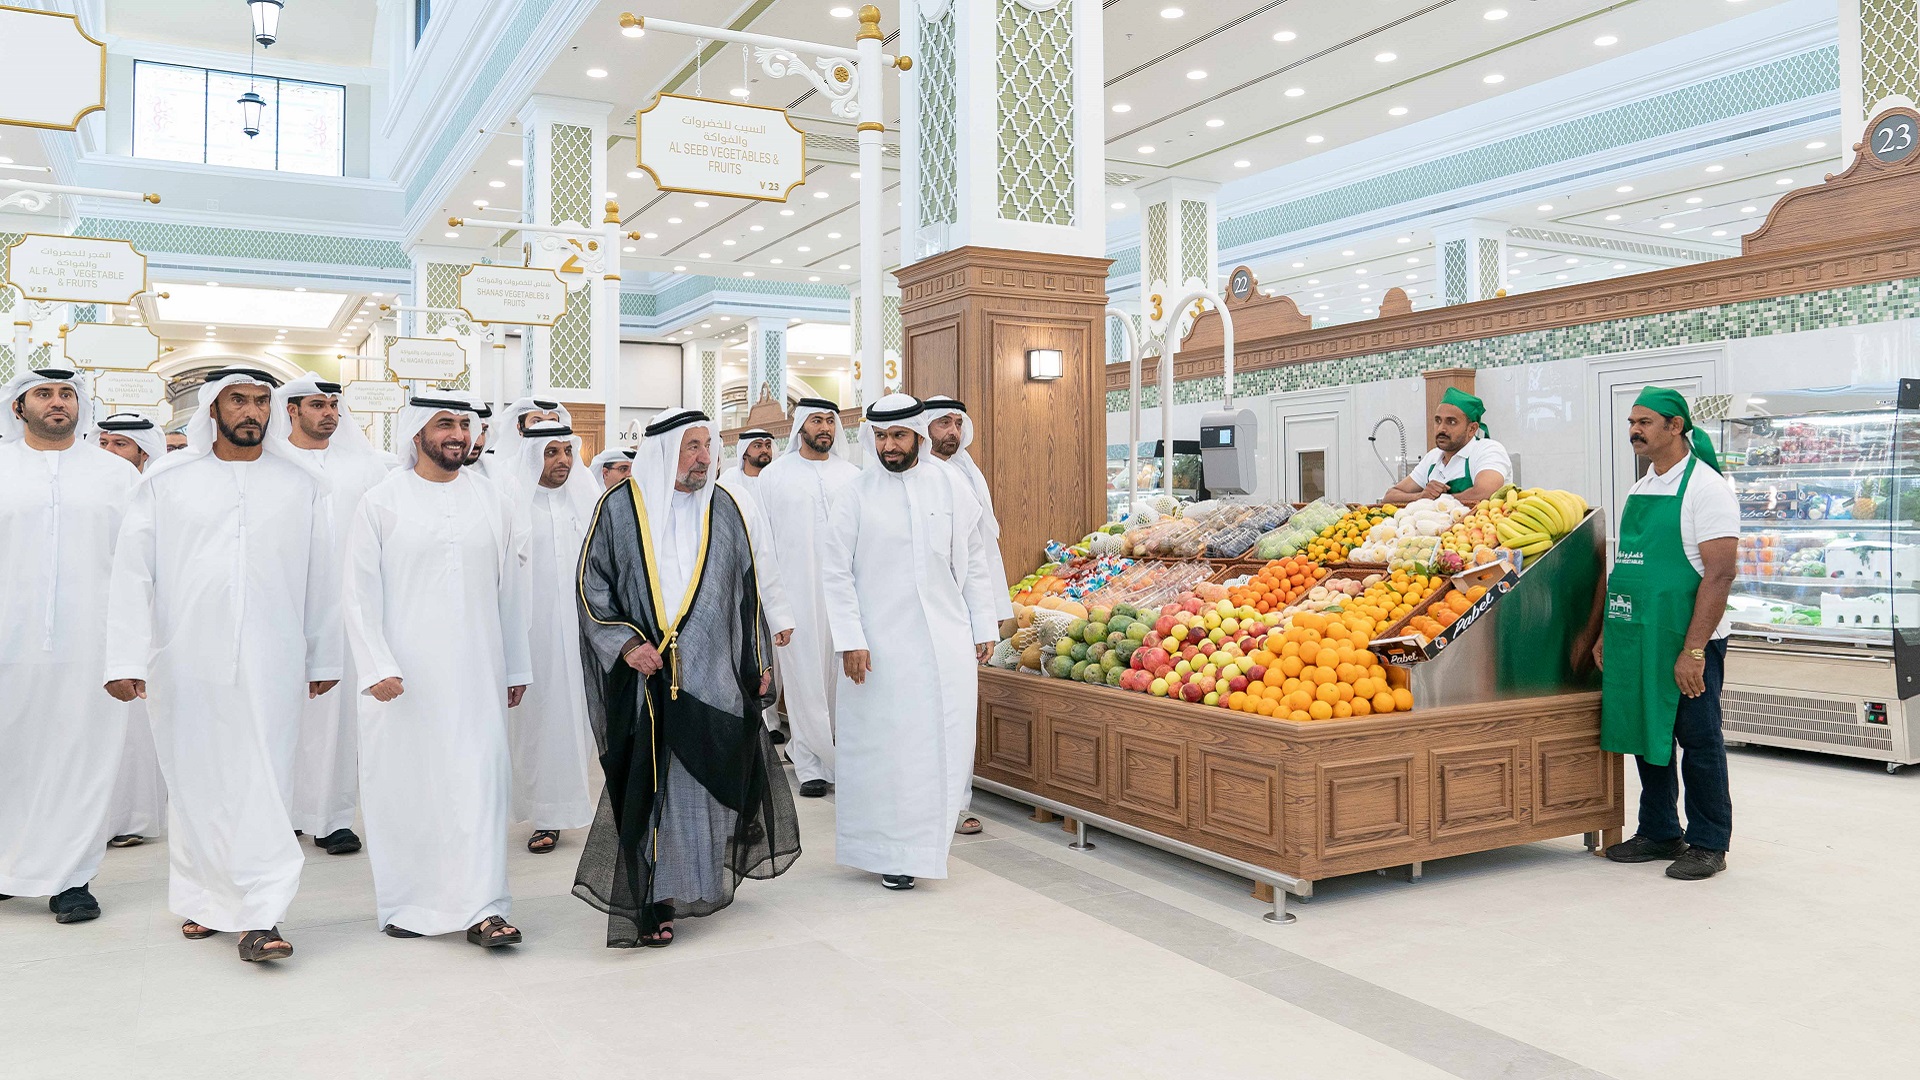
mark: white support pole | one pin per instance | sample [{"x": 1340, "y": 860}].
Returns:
[
  {"x": 606, "y": 313},
  {"x": 872, "y": 128}
]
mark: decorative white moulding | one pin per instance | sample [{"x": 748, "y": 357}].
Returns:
[
  {"x": 266, "y": 20},
  {"x": 1044, "y": 363}
]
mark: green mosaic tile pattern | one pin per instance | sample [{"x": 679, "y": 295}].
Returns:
[
  {"x": 154, "y": 236},
  {"x": 1788, "y": 79},
  {"x": 500, "y": 59},
  {"x": 1037, "y": 125},
  {"x": 1855, "y": 305},
  {"x": 1453, "y": 263},
  {"x": 1611, "y": 245},
  {"x": 710, "y": 382},
  {"x": 1194, "y": 236},
  {"x": 939, "y": 136},
  {"x": 639, "y": 305},
  {"x": 1156, "y": 244},
  {"x": 570, "y": 184},
  {"x": 86, "y": 313},
  {"x": 1889, "y": 52},
  {"x": 773, "y": 363},
  {"x": 698, "y": 287},
  {"x": 1125, "y": 263}
]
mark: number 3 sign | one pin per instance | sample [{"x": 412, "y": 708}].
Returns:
[{"x": 1894, "y": 138}]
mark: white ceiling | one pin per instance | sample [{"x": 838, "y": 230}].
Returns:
[
  {"x": 182, "y": 312},
  {"x": 313, "y": 31}
]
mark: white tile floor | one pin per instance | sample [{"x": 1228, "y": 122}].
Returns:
[{"x": 1035, "y": 961}]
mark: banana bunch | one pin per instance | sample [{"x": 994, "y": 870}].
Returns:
[{"x": 1537, "y": 517}]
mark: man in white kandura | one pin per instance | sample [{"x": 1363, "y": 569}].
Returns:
[
  {"x": 798, "y": 486},
  {"x": 910, "y": 596},
  {"x": 438, "y": 587},
  {"x": 224, "y": 613},
  {"x": 326, "y": 780},
  {"x": 612, "y": 466},
  {"x": 554, "y": 783},
  {"x": 949, "y": 434},
  {"x": 756, "y": 453},
  {"x": 61, "y": 501},
  {"x": 503, "y": 441},
  {"x": 140, "y": 792},
  {"x": 482, "y": 423}
]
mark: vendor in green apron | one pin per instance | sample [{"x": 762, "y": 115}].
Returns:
[
  {"x": 1663, "y": 643},
  {"x": 1463, "y": 461}
]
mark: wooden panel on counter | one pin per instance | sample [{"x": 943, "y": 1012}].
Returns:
[{"x": 1312, "y": 800}]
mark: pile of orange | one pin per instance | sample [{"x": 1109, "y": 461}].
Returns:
[
  {"x": 1445, "y": 611},
  {"x": 1319, "y": 668},
  {"x": 1278, "y": 584}
]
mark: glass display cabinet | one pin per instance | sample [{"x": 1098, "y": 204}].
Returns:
[{"x": 1825, "y": 613}]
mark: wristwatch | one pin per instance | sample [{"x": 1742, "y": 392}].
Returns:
[{"x": 1697, "y": 654}]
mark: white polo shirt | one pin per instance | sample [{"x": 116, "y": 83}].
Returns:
[
  {"x": 1710, "y": 511},
  {"x": 1482, "y": 453}
]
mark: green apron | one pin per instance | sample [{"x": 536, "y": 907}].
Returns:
[
  {"x": 1462, "y": 482},
  {"x": 1649, "y": 608}
]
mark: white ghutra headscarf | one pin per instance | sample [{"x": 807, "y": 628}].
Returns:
[
  {"x": 503, "y": 436},
  {"x": 12, "y": 427},
  {"x": 801, "y": 410},
  {"x": 894, "y": 410},
  {"x": 522, "y": 478},
  {"x": 200, "y": 429},
  {"x": 349, "y": 439},
  {"x": 144, "y": 432},
  {"x": 422, "y": 408}
]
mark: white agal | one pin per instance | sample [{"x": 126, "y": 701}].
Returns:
[
  {"x": 433, "y": 359},
  {"x": 130, "y": 388},
  {"x": 720, "y": 148},
  {"x": 115, "y": 346},
  {"x": 51, "y": 72},
  {"x": 514, "y": 295},
  {"x": 373, "y": 396},
  {"x": 76, "y": 269}
]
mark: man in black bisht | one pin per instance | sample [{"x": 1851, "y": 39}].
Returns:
[{"x": 678, "y": 664}]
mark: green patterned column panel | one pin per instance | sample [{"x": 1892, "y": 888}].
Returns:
[
  {"x": 893, "y": 340},
  {"x": 1889, "y": 51},
  {"x": 710, "y": 382},
  {"x": 1489, "y": 267},
  {"x": 443, "y": 290},
  {"x": 570, "y": 344},
  {"x": 1195, "y": 242},
  {"x": 939, "y": 136},
  {"x": 571, "y": 181},
  {"x": 1453, "y": 262},
  {"x": 1037, "y": 126}
]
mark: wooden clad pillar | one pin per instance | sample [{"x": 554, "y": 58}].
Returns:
[
  {"x": 590, "y": 423},
  {"x": 970, "y": 317},
  {"x": 1439, "y": 381}
]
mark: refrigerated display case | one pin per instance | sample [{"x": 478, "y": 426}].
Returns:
[{"x": 1825, "y": 613}]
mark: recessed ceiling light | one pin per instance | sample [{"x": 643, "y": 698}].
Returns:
[
  {"x": 1619, "y": 266},
  {"x": 786, "y": 213},
  {"x": 1285, "y": 35},
  {"x": 1313, "y": 281},
  {"x": 844, "y": 266},
  {"x": 453, "y": 236},
  {"x": 1242, "y": 163},
  {"x": 746, "y": 273},
  {"x": 1385, "y": 58},
  {"x": 634, "y": 31},
  {"x": 738, "y": 91},
  {"x": 776, "y": 261},
  {"x": 516, "y": 163},
  {"x": 1196, "y": 75},
  {"x": 1319, "y": 296},
  {"x": 756, "y": 228},
  {"x": 679, "y": 269},
  {"x": 1145, "y": 149},
  {"x": 855, "y": 175},
  {"x": 819, "y": 194},
  {"x": 1295, "y": 91},
  {"x": 1119, "y": 205},
  {"x": 726, "y": 243},
  {"x": 1323, "y": 307},
  {"x": 1122, "y": 107},
  {"x": 1666, "y": 224},
  {"x": 1544, "y": 207},
  {"x": 1346, "y": 254},
  {"x": 596, "y": 73},
  {"x": 833, "y": 236},
  {"x": 813, "y": 277},
  {"x": 1413, "y": 277},
  {"x": 1784, "y": 180},
  {"x": 1403, "y": 239},
  {"x": 1360, "y": 270},
  {"x": 704, "y": 255},
  {"x": 1695, "y": 200},
  {"x": 1559, "y": 277},
  {"x": 841, "y": 12},
  {"x": 213, "y": 284},
  {"x": 1216, "y": 122},
  {"x": 701, "y": 204},
  {"x": 1414, "y": 260},
  {"x": 1495, "y": 15},
  {"x": 1571, "y": 261},
  {"x": 1624, "y": 188},
  {"x": 1171, "y": 13},
  {"x": 803, "y": 249},
  {"x": 1397, "y": 110},
  {"x": 1316, "y": 139},
  {"x": 1749, "y": 209},
  {"x": 1613, "y": 217},
  {"x": 634, "y": 174},
  {"x": 706, "y": 326},
  {"x": 1719, "y": 232},
  {"x": 1496, "y": 77},
  {"x": 496, "y": 183},
  {"x": 649, "y": 236},
  {"x": 1605, "y": 40},
  {"x": 629, "y": 249},
  {"x": 1816, "y": 146},
  {"x": 212, "y": 328},
  {"x": 479, "y": 202},
  {"x": 1523, "y": 254}
]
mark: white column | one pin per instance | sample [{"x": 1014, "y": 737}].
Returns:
[
  {"x": 1179, "y": 246},
  {"x": 1879, "y": 63},
  {"x": 766, "y": 361},
  {"x": 1472, "y": 260},
  {"x": 566, "y": 184},
  {"x": 700, "y": 375},
  {"x": 1030, "y": 177}
]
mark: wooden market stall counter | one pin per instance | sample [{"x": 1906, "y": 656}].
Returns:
[{"x": 1501, "y": 748}]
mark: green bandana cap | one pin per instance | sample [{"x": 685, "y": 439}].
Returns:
[
  {"x": 1669, "y": 403},
  {"x": 1466, "y": 403}
]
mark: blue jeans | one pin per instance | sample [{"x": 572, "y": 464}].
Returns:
[{"x": 1700, "y": 764}]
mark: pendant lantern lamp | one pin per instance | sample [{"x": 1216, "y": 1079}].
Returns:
[
  {"x": 251, "y": 105},
  {"x": 266, "y": 20}
]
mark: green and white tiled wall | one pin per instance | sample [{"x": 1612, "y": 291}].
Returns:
[{"x": 1854, "y": 305}]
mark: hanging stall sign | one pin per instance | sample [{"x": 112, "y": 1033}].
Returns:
[
  {"x": 76, "y": 269},
  {"x": 116, "y": 346},
  {"x": 709, "y": 147},
  {"x": 160, "y": 414},
  {"x": 515, "y": 295},
  {"x": 51, "y": 72},
  {"x": 373, "y": 396},
  {"x": 130, "y": 388},
  {"x": 437, "y": 359}
]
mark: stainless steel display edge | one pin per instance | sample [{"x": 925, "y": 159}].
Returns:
[{"x": 1282, "y": 883}]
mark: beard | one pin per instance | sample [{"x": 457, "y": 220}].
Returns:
[
  {"x": 819, "y": 442},
  {"x": 448, "y": 455},
  {"x": 691, "y": 480},
  {"x": 898, "y": 461},
  {"x": 947, "y": 447},
  {"x": 760, "y": 460},
  {"x": 244, "y": 433},
  {"x": 51, "y": 427}
]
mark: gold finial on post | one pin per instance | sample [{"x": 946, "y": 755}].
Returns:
[
  {"x": 869, "y": 24},
  {"x": 454, "y": 222},
  {"x": 151, "y": 197},
  {"x": 903, "y": 63},
  {"x": 629, "y": 21},
  {"x": 613, "y": 212}
]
